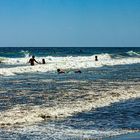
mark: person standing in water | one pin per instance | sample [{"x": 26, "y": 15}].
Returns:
[
  {"x": 32, "y": 60},
  {"x": 96, "y": 58},
  {"x": 43, "y": 61}
]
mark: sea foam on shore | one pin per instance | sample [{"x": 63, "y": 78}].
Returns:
[{"x": 27, "y": 115}]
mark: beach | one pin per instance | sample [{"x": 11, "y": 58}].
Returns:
[{"x": 101, "y": 102}]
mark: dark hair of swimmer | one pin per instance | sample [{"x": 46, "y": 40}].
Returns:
[
  {"x": 60, "y": 71},
  {"x": 96, "y": 58},
  {"x": 43, "y": 61},
  {"x": 78, "y": 71}
]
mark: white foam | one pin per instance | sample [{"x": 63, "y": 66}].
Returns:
[
  {"x": 62, "y": 132},
  {"x": 28, "y": 115},
  {"x": 52, "y": 63},
  {"x": 25, "y": 53},
  {"x": 132, "y": 53}
]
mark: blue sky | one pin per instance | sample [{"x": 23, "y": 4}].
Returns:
[{"x": 70, "y": 23}]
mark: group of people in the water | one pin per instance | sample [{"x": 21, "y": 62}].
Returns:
[
  {"x": 33, "y": 60},
  {"x": 59, "y": 71}
]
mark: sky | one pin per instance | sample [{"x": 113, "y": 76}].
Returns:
[{"x": 69, "y": 23}]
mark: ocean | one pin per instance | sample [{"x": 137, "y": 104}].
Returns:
[{"x": 101, "y": 102}]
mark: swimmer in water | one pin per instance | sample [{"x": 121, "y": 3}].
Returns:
[
  {"x": 96, "y": 58},
  {"x": 43, "y": 61},
  {"x": 60, "y": 71},
  {"x": 32, "y": 60}
]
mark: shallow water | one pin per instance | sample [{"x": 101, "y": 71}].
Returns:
[
  {"x": 96, "y": 104},
  {"x": 37, "y": 103}
]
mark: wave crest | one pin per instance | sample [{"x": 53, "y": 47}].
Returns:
[
  {"x": 132, "y": 53},
  {"x": 25, "y": 53},
  {"x": 53, "y": 63}
]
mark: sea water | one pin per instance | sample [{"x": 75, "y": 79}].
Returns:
[{"x": 38, "y": 103}]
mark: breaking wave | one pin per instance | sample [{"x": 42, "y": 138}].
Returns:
[
  {"x": 132, "y": 53},
  {"x": 21, "y": 65},
  {"x": 26, "y": 54}
]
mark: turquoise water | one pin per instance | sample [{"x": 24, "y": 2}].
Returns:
[{"x": 17, "y": 52}]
